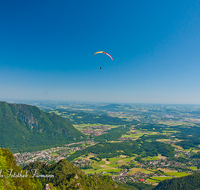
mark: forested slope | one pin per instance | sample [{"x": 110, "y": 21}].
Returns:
[
  {"x": 27, "y": 128},
  {"x": 190, "y": 182},
  {"x": 68, "y": 176},
  {"x": 8, "y": 168}
]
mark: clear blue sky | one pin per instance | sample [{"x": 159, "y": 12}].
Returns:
[{"x": 47, "y": 47}]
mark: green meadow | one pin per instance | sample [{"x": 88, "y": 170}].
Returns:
[
  {"x": 158, "y": 179},
  {"x": 150, "y": 158},
  {"x": 107, "y": 165},
  {"x": 193, "y": 168},
  {"x": 177, "y": 174}
]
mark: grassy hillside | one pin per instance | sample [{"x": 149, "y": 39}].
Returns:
[{"x": 27, "y": 128}]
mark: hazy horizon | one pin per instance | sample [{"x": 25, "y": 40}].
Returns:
[
  {"x": 47, "y": 51},
  {"x": 18, "y": 101}
]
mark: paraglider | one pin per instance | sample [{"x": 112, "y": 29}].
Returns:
[{"x": 104, "y": 53}]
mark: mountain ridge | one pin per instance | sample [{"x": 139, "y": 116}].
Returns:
[{"x": 27, "y": 128}]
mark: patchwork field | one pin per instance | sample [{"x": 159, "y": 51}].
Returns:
[
  {"x": 107, "y": 165},
  {"x": 83, "y": 127},
  {"x": 132, "y": 171},
  {"x": 156, "y": 129},
  {"x": 167, "y": 170}
]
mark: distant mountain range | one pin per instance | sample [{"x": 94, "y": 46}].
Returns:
[{"x": 27, "y": 128}]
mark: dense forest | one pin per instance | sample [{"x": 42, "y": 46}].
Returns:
[
  {"x": 8, "y": 168},
  {"x": 112, "y": 134},
  {"x": 183, "y": 183},
  {"x": 129, "y": 185},
  {"x": 129, "y": 148},
  {"x": 187, "y": 144},
  {"x": 68, "y": 176},
  {"x": 151, "y": 137}
]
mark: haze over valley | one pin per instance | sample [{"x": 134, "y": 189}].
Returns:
[
  {"x": 99, "y": 95},
  {"x": 135, "y": 144}
]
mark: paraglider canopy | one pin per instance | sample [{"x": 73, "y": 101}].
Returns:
[{"x": 104, "y": 53}]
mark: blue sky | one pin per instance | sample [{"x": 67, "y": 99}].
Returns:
[{"x": 47, "y": 47}]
